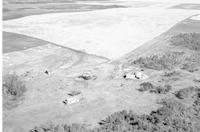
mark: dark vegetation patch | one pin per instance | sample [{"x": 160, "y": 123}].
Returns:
[
  {"x": 187, "y": 6},
  {"x": 147, "y": 86},
  {"x": 191, "y": 63},
  {"x": 25, "y": 8},
  {"x": 87, "y": 76},
  {"x": 13, "y": 91},
  {"x": 5, "y": 10},
  {"x": 187, "y": 60},
  {"x": 187, "y": 92},
  {"x": 15, "y": 42},
  {"x": 61, "y": 128},
  {"x": 74, "y": 93},
  {"x": 168, "y": 61},
  {"x": 197, "y": 80},
  {"x": 171, "y": 76},
  {"x": 173, "y": 116},
  {"x": 187, "y": 40},
  {"x": 189, "y": 67},
  {"x": 160, "y": 62},
  {"x": 80, "y": 6},
  {"x": 37, "y": 1},
  {"x": 161, "y": 89}
]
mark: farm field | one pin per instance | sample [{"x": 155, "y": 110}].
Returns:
[
  {"x": 101, "y": 32},
  {"x": 71, "y": 66}
]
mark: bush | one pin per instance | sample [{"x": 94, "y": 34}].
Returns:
[
  {"x": 186, "y": 92},
  {"x": 189, "y": 67},
  {"x": 74, "y": 93},
  {"x": 160, "y": 62},
  {"x": 145, "y": 86},
  {"x": 197, "y": 80},
  {"x": 191, "y": 63},
  {"x": 173, "y": 116},
  {"x": 13, "y": 90},
  {"x": 188, "y": 40},
  {"x": 171, "y": 74},
  {"x": 196, "y": 107},
  {"x": 61, "y": 128},
  {"x": 161, "y": 90}
]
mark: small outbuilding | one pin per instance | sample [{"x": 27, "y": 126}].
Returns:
[
  {"x": 74, "y": 93},
  {"x": 135, "y": 75},
  {"x": 72, "y": 99}
]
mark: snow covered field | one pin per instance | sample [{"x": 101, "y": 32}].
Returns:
[{"x": 110, "y": 33}]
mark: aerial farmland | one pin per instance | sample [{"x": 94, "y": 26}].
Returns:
[{"x": 101, "y": 65}]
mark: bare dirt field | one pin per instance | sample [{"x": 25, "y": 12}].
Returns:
[
  {"x": 21, "y": 9},
  {"x": 14, "y": 42},
  {"x": 101, "y": 32},
  {"x": 166, "y": 51}
]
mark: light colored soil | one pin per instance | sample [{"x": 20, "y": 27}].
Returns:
[{"x": 97, "y": 32}]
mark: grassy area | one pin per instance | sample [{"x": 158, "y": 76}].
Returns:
[
  {"x": 191, "y": 63},
  {"x": 161, "y": 89},
  {"x": 13, "y": 91},
  {"x": 188, "y": 60},
  {"x": 168, "y": 61},
  {"x": 147, "y": 86},
  {"x": 175, "y": 113},
  {"x": 173, "y": 116},
  {"x": 160, "y": 62},
  {"x": 187, "y": 40},
  {"x": 186, "y": 92}
]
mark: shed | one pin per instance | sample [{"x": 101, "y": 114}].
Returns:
[{"x": 135, "y": 75}]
